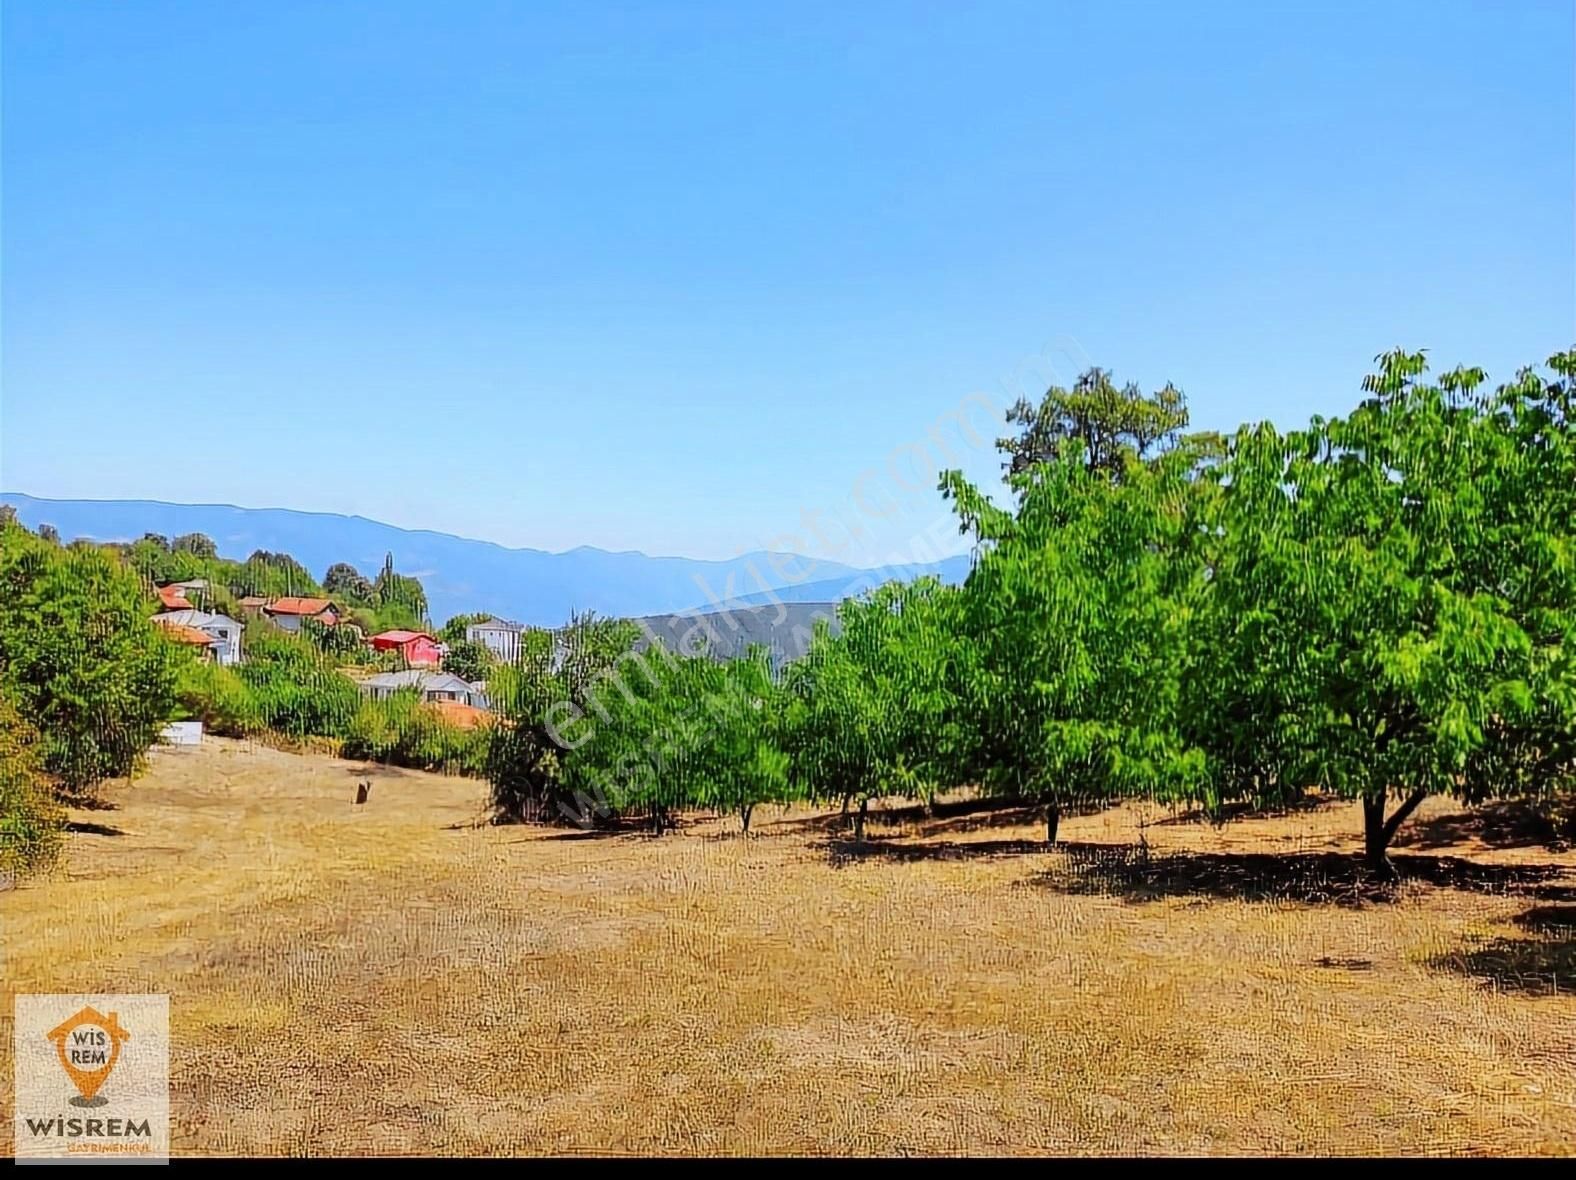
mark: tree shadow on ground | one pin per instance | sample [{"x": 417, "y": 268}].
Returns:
[
  {"x": 89, "y": 829},
  {"x": 1541, "y": 965},
  {"x": 90, "y": 803},
  {"x": 1247, "y": 810},
  {"x": 1498, "y": 825},
  {"x": 842, "y": 851},
  {"x": 1136, "y": 873}
]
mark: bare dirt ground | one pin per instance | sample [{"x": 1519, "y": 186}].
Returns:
[{"x": 390, "y": 979}]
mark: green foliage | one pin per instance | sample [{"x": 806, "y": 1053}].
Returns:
[
  {"x": 1109, "y": 425},
  {"x": 398, "y": 596},
  {"x": 874, "y": 711},
  {"x": 87, "y": 667},
  {"x": 543, "y": 699},
  {"x": 1075, "y": 619},
  {"x": 403, "y": 731},
  {"x": 685, "y": 732},
  {"x": 454, "y": 630},
  {"x": 30, "y": 820},
  {"x": 298, "y": 690},
  {"x": 468, "y": 660},
  {"x": 1392, "y": 605},
  {"x": 197, "y": 544},
  {"x": 345, "y": 584},
  {"x": 343, "y": 642},
  {"x": 220, "y": 698}
]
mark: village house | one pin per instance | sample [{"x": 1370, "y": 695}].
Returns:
[
  {"x": 223, "y": 632},
  {"x": 416, "y": 648},
  {"x": 498, "y": 636},
  {"x": 205, "y": 644},
  {"x": 433, "y": 686},
  {"x": 289, "y": 613}
]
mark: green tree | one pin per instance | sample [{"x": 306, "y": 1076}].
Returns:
[
  {"x": 468, "y": 660},
  {"x": 86, "y": 664},
  {"x": 297, "y": 689},
  {"x": 1075, "y": 622},
  {"x": 397, "y": 592},
  {"x": 1109, "y": 424},
  {"x": 197, "y": 544},
  {"x": 344, "y": 583},
  {"x": 873, "y": 710},
  {"x": 1392, "y": 599},
  {"x": 550, "y": 701}
]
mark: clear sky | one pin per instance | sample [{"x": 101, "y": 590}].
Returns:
[{"x": 668, "y": 276}]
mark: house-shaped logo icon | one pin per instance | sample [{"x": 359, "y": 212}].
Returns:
[{"x": 88, "y": 1045}]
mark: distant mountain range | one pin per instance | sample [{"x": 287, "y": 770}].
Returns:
[{"x": 463, "y": 575}]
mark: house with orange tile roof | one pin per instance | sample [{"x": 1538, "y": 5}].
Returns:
[
  {"x": 189, "y": 636},
  {"x": 289, "y": 613}
]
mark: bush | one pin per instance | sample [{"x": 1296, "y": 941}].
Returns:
[
  {"x": 297, "y": 690},
  {"x": 87, "y": 666},
  {"x": 403, "y": 731},
  {"x": 29, "y": 817},
  {"x": 218, "y": 697}
]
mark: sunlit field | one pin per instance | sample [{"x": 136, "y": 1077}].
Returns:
[{"x": 396, "y": 978}]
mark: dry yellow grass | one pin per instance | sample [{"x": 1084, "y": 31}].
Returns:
[{"x": 388, "y": 979}]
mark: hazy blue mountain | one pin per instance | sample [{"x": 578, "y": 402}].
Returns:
[
  {"x": 462, "y": 575},
  {"x": 951, "y": 570}
]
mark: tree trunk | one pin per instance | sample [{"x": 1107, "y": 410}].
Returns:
[
  {"x": 1378, "y": 831},
  {"x": 859, "y": 821},
  {"x": 744, "y": 814},
  {"x": 846, "y": 799},
  {"x": 1053, "y": 820}
]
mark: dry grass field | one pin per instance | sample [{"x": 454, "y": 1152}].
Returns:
[{"x": 392, "y": 979}]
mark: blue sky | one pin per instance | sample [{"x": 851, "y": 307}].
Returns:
[{"x": 670, "y": 276}]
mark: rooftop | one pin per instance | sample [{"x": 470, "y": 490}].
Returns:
[{"x": 298, "y": 606}]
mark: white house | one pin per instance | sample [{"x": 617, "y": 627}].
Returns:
[
  {"x": 498, "y": 636},
  {"x": 225, "y": 631},
  {"x": 433, "y": 686}
]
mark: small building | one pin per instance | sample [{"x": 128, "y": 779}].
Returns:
[
  {"x": 433, "y": 686},
  {"x": 416, "y": 648},
  {"x": 289, "y": 613},
  {"x": 253, "y": 604},
  {"x": 498, "y": 636},
  {"x": 224, "y": 631}
]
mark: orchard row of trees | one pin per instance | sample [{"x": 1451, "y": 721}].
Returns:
[{"x": 1381, "y": 607}]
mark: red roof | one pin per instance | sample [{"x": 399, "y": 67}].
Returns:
[
  {"x": 398, "y": 638},
  {"x": 172, "y": 598},
  {"x": 181, "y": 633},
  {"x": 298, "y": 606}
]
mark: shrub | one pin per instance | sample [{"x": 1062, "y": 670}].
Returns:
[
  {"x": 220, "y": 699},
  {"x": 29, "y": 817},
  {"x": 86, "y": 664},
  {"x": 403, "y": 731}
]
